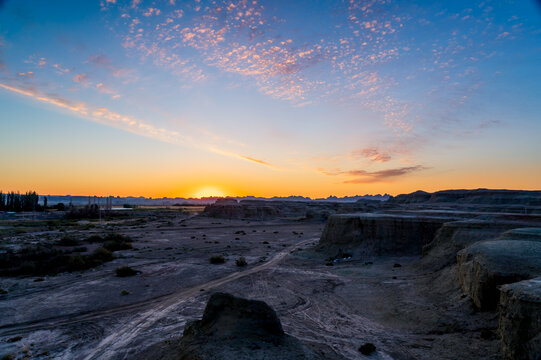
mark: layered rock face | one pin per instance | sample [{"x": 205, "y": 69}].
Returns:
[
  {"x": 236, "y": 328},
  {"x": 266, "y": 210},
  {"x": 484, "y": 266},
  {"x": 520, "y": 320},
  {"x": 379, "y": 234},
  {"x": 457, "y": 235},
  {"x": 234, "y": 210},
  {"x": 478, "y": 196}
]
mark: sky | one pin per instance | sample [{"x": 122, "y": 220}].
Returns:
[{"x": 269, "y": 98}]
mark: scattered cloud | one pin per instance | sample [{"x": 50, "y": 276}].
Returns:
[
  {"x": 373, "y": 154},
  {"x": 61, "y": 70},
  {"x": 366, "y": 177},
  {"x": 100, "y": 60},
  {"x": 28, "y": 74},
  {"x": 81, "y": 78}
]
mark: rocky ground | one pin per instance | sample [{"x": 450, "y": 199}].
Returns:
[{"x": 403, "y": 304}]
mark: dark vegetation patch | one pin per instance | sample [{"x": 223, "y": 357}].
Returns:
[
  {"x": 67, "y": 241},
  {"x": 241, "y": 262},
  {"x": 125, "y": 271},
  {"x": 217, "y": 259},
  {"x": 367, "y": 349},
  {"x": 14, "y": 339},
  {"x": 45, "y": 260}
]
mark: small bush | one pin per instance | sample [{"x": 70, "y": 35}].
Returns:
[
  {"x": 241, "y": 262},
  {"x": 80, "y": 249},
  {"x": 3, "y": 292},
  {"x": 8, "y": 357},
  {"x": 115, "y": 242},
  {"x": 67, "y": 241},
  {"x": 217, "y": 259},
  {"x": 14, "y": 339},
  {"x": 125, "y": 271},
  {"x": 94, "y": 239},
  {"x": 124, "y": 292},
  {"x": 102, "y": 254},
  {"x": 115, "y": 246}
]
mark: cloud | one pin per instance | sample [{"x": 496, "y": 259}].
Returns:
[
  {"x": 61, "y": 70},
  {"x": 373, "y": 154},
  {"x": 261, "y": 162},
  {"x": 128, "y": 123},
  {"x": 79, "y": 108},
  {"x": 81, "y": 78},
  {"x": 28, "y": 74},
  {"x": 100, "y": 60},
  {"x": 366, "y": 177}
]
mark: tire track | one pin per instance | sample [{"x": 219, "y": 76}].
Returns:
[{"x": 122, "y": 336}]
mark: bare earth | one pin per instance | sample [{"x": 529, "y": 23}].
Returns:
[{"x": 406, "y": 312}]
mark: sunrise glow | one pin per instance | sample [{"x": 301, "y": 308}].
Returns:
[
  {"x": 266, "y": 98},
  {"x": 208, "y": 191}
]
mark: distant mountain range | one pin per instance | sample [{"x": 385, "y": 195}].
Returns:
[{"x": 165, "y": 201}]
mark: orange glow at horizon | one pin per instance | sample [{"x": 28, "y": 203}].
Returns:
[{"x": 208, "y": 191}]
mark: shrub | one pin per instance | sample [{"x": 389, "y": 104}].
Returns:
[
  {"x": 80, "y": 249},
  {"x": 94, "y": 239},
  {"x": 125, "y": 271},
  {"x": 241, "y": 262},
  {"x": 124, "y": 292},
  {"x": 102, "y": 254},
  {"x": 14, "y": 339},
  {"x": 217, "y": 259},
  {"x": 41, "y": 260},
  {"x": 67, "y": 241},
  {"x": 115, "y": 242}
]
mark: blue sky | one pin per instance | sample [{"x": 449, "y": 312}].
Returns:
[{"x": 269, "y": 97}]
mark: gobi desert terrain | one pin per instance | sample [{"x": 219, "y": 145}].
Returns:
[{"x": 446, "y": 275}]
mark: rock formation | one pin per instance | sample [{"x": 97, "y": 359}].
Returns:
[
  {"x": 520, "y": 320},
  {"x": 379, "y": 234},
  {"x": 233, "y": 328},
  {"x": 484, "y": 266}
]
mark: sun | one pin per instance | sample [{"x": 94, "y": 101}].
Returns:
[{"x": 208, "y": 191}]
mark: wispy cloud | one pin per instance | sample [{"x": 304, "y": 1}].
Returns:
[
  {"x": 373, "y": 154},
  {"x": 261, "y": 162},
  {"x": 105, "y": 116},
  {"x": 366, "y": 177},
  {"x": 81, "y": 78}
]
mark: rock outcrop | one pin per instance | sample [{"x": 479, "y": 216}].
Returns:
[
  {"x": 478, "y": 196},
  {"x": 378, "y": 234},
  {"x": 233, "y": 328},
  {"x": 457, "y": 235},
  {"x": 483, "y": 266},
  {"x": 530, "y": 234},
  {"x": 520, "y": 320},
  {"x": 268, "y": 210}
]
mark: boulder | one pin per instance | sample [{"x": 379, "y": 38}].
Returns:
[
  {"x": 233, "y": 328},
  {"x": 520, "y": 320},
  {"x": 483, "y": 266},
  {"x": 370, "y": 234}
]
